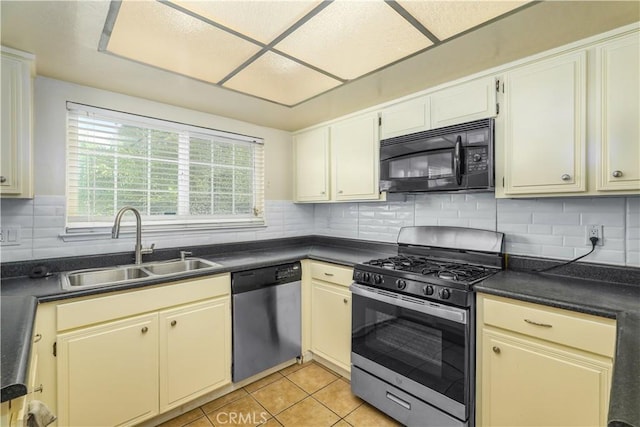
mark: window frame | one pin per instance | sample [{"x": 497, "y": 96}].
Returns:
[{"x": 181, "y": 221}]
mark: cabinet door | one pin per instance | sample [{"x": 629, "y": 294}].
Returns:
[
  {"x": 545, "y": 126},
  {"x": 311, "y": 165},
  {"x": 108, "y": 374},
  {"x": 525, "y": 383},
  {"x": 465, "y": 102},
  {"x": 355, "y": 154},
  {"x": 618, "y": 79},
  {"x": 405, "y": 118},
  {"x": 15, "y": 126},
  {"x": 331, "y": 323},
  {"x": 195, "y": 351}
]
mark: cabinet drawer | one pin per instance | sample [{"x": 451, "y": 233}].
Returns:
[
  {"x": 331, "y": 273},
  {"x": 583, "y": 331}
]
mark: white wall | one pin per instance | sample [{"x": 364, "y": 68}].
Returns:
[
  {"x": 543, "y": 227},
  {"x": 42, "y": 220}
]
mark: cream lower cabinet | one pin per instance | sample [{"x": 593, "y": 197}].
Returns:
[
  {"x": 108, "y": 374},
  {"x": 331, "y": 313},
  {"x": 540, "y": 366},
  {"x": 125, "y": 358},
  {"x": 193, "y": 357}
]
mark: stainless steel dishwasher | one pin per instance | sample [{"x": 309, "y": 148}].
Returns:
[{"x": 266, "y": 318}]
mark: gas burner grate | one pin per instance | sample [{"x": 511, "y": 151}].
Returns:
[{"x": 458, "y": 272}]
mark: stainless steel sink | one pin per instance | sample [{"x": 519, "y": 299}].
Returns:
[
  {"x": 179, "y": 266},
  {"x": 132, "y": 273},
  {"x": 89, "y": 278}
]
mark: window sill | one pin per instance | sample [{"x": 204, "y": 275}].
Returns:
[{"x": 79, "y": 234}]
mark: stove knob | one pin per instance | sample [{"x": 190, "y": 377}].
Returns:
[
  {"x": 366, "y": 277},
  {"x": 377, "y": 278},
  {"x": 444, "y": 293},
  {"x": 477, "y": 157},
  {"x": 428, "y": 290},
  {"x": 401, "y": 284},
  {"x": 357, "y": 276}
]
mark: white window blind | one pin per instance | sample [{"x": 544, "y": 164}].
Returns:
[{"x": 174, "y": 174}]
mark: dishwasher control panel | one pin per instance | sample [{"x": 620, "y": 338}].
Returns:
[
  {"x": 288, "y": 271},
  {"x": 248, "y": 280}
]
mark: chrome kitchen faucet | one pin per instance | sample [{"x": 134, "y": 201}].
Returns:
[{"x": 115, "y": 232}]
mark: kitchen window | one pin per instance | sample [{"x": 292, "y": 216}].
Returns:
[{"x": 177, "y": 175}]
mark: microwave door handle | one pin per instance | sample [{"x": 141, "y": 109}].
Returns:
[{"x": 457, "y": 160}]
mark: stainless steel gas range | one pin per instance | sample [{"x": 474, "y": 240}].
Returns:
[{"x": 413, "y": 324}]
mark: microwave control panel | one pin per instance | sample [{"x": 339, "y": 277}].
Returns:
[{"x": 477, "y": 159}]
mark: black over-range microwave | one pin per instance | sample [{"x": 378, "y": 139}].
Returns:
[{"x": 451, "y": 158}]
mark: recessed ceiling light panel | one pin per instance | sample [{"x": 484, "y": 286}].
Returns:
[
  {"x": 158, "y": 35},
  {"x": 352, "y": 38},
  {"x": 445, "y": 19},
  {"x": 279, "y": 79},
  {"x": 262, "y": 20}
]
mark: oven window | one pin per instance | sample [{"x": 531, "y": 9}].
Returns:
[
  {"x": 432, "y": 165},
  {"x": 424, "y": 348}
]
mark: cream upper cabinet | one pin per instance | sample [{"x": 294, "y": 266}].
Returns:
[
  {"x": 406, "y": 117},
  {"x": 465, "y": 102},
  {"x": 618, "y": 132},
  {"x": 544, "y": 127},
  {"x": 311, "y": 165},
  {"x": 542, "y": 366},
  {"x": 331, "y": 313},
  {"x": 355, "y": 156},
  {"x": 194, "y": 351},
  {"x": 16, "y": 124},
  {"x": 159, "y": 348},
  {"x": 338, "y": 162}
]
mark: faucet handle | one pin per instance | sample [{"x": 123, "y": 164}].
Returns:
[
  {"x": 148, "y": 250},
  {"x": 184, "y": 254}
]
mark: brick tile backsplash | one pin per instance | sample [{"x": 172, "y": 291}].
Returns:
[{"x": 544, "y": 227}]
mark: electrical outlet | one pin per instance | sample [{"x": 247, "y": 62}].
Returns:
[
  {"x": 595, "y": 231},
  {"x": 10, "y": 235}
]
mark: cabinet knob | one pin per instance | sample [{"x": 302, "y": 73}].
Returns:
[
  {"x": 174, "y": 322},
  {"x": 345, "y": 300},
  {"x": 340, "y": 191},
  {"x": 145, "y": 329},
  {"x": 496, "y": 349},
  {"x": 322, "y": 192},
  {"x": 566, "y": 177},
  {"x": 617, "y": 174},
  {"x": 3, "y": 179}
]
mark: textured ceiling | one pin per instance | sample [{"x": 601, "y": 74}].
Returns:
[{"x": 65, "y": 36}]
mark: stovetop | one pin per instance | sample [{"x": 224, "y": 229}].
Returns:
[
  {"x": 446, "y": 281},
  {"x": 436, "y": 263},
  {"x": 463, "y": 273}
]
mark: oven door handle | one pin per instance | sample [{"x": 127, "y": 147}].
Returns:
[
  {"x": 453, "y": 314},
  {"x": 457, "y": 160}
]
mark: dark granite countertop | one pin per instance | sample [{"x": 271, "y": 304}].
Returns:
[{"x": 606, "y": 296}]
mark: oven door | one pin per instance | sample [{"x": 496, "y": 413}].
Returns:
[{"x": 419, "y": 346}]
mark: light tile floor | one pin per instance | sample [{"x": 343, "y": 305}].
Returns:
[{"x": 307, "y": 395}]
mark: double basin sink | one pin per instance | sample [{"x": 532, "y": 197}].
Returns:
[{"x": 133, "y": 273}]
